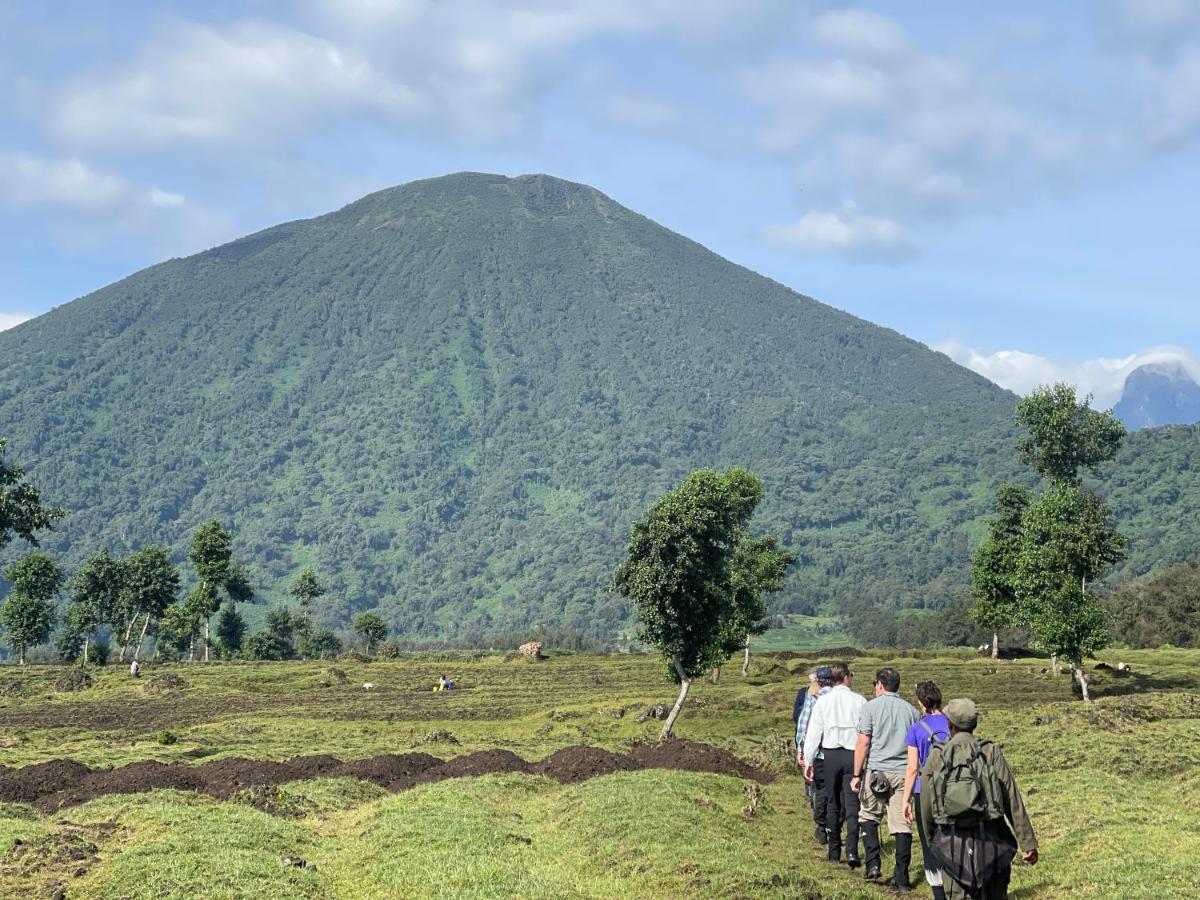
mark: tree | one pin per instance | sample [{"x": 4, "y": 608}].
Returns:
[
  {"x": 21, "y": 510},
  {"x": 95, "y": 596},
  {"x": 319, "y": 643},
  {"x": 1065, "y": 435},
  {"x": 275, "y": 641},
  {"x": 231, "y": 629},
  {"x": 679, "y": 572},
  {"x": 1163, "y": 610},
  {"x": 1067, "y": 539},
  {"x": 211, "y": 555},
  {"x": 307, "y": 590},
  {"x": 27, "y": 615},
  {"x": 758, "y": 567},
  {"x": 994, "y": 564},
  {"x": 371, "y": 628},
  {"x": 1066, "y": 543},
  {"x": 149, "y": 585}
]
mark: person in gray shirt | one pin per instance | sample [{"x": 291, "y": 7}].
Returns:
[{"x": 881, "y": 754}]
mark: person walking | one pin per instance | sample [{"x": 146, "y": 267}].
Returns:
[
  {"x": 820, "y": 684},
  {"x": 832, "y": 730},
  {"x": 880, "y": 758},
  {"x": 932, "y": 728},
  {"x": 970, "y": 807}
]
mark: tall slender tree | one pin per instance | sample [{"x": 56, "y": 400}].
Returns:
[
  {"x": 95, "y": 595},
  {"x": 211, "y": 555},
  {"x": 1067, "y": 537},
  {"x": 149, "y": 585},
  {"x": 27, "y": 614},
  {"x": 994, "y": 564}
]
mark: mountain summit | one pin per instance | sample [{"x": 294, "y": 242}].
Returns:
[
  {"x": 1159, "y": 394},
  {"x": 452, "y": 397}
]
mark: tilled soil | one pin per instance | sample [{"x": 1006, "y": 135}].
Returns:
[{"x": 61, "y": 783}]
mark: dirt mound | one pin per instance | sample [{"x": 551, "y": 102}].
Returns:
[
  {"x": 61, "y": 783},
  {"x": 165, "y": 684},
  {"x": 483, "y": 762},
  {"x": 391, "y": 769},
  {"x": 28, "y": 784},
  {"x": 689, "y": 756},
  {"x": 73, "y": 680},
  {"x": 575, "y": 764}
]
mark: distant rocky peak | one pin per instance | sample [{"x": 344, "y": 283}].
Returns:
[{"x": 1159, "y": 393}]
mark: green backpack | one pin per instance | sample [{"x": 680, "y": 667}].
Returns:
[{"x": 964, "y": 789}]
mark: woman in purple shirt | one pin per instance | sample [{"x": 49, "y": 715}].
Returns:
[{"x": 932, "y": 726}]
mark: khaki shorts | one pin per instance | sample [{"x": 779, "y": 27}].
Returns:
[{"x": 871, "y": 806}]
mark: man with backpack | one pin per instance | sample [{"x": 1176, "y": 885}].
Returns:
[
  {"x": 880, "y": 759},
  {"x": 969, "y": 798},
  {"x": 820, "y": 684}
]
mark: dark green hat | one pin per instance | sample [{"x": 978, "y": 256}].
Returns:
[{"x": 962, "y": 713}]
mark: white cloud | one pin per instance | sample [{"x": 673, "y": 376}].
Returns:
[
  {"x": 252, "y": 83},
  {"x": 470, "y": 66},
  {"x": 846, "y": 233},
  {"x": 91, "y": 206},
  {"x": 10, "y": 320},
  {"x": 862, "y": 34},
  {"x": 1103, "y": 377},
  {"x": 867, "y": 116}
]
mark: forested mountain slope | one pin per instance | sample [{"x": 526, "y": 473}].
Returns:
[{"x": 452, "y": 398}]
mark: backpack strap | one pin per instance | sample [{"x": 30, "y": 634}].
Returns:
[{"x": 925, "y": 725}]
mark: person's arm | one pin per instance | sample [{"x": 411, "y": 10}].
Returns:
[
  {"x": 1014, "y": 806},
  {"x": 910, "y": 781},
  {"x": 802, "y": 726},
  {"x": 812, "y": 736},
  {"x": 860, "y": 760}
]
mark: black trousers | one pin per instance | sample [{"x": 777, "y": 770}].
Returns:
[
  {"x": 842, "y": 802},
  {"x": 819, "y": 800}
]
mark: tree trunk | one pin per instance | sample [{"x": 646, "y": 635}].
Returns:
[
  {"x": 206, "y": 637},
  {"x": 192, "y": 646},
  {"x": 684, "y": 684},
  {"x": 1083, "y": 682},
  {"x": 995, "y": 645},
  {"x": 137, "y": 651},
  {"x": 1054, "y": 666},
  {"x": 22, "y": 654},
  {"x": 716, "y": 675},
  {"x": 125, "y": 641},
  {"x": 746, "y": 657},
  {"x": 86, "y": 638}
]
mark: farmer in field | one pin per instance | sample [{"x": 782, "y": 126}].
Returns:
[
  {"x": 880, "y": 758},
  {"x": 932, "y": 728},
  {"x": 969, "y": 799},
  {"x": 833, "y": 730},
  {"x": 820, "y": 683}
]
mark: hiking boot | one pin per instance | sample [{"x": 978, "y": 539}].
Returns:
[
  {"x": 852, "y": 859},
  {"x": 870, "y": 839},
  {"x": 822, "y": 835}
]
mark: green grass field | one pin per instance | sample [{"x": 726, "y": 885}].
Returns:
[{"x": 1114, "y": 787}]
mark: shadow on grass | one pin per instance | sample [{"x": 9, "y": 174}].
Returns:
[{"x": 1137, "y": 683}]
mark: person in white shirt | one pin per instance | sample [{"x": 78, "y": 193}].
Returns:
[{"x": 833, "y": 729}]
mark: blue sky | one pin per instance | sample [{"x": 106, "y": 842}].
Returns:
[{"x": 1014, "y": 183}]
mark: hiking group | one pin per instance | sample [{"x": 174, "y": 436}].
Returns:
[{"x": 864, "y": 760}]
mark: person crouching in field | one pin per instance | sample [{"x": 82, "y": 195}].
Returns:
[
  {"x": 969, "y": 798},
  {"x": 820, "y": 683},
  {"x": 880, "y": 757},
  {"x": 932, "y": 728},
  {"x": 832, "y": 730}
]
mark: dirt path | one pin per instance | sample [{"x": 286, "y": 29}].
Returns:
[{"x": 61, "y": 783}]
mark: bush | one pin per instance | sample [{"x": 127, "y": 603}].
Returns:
[
  {"x": 389, "y": 650},
  {"x": 99, "y": 652},
  {"x": 320, "y": 643}
]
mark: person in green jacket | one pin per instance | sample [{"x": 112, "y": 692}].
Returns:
[{"x": 975, "y": 851}]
